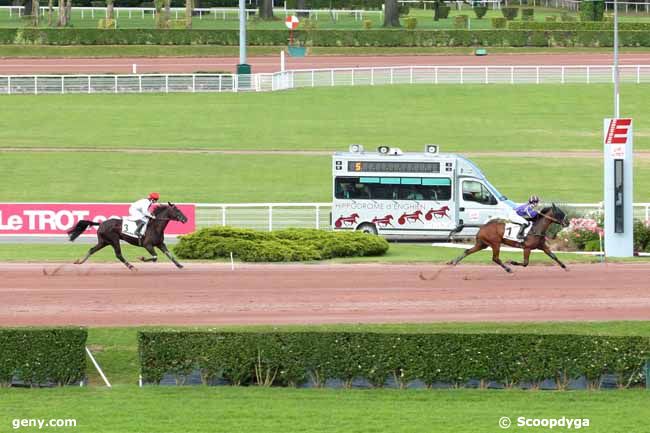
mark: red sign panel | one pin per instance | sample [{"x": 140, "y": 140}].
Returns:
[
  {"x": 58, "y": 218},
  {"x": 617, "y": 133}
]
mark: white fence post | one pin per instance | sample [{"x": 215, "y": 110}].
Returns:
[
  {"x": 512, "y": 75},
  {"x": 638, "y": 74},
  {"x": 313, "y": 80},
  {"x": 223, "y": 215},
  {"x": 461, "y": 74},
  {"x": 352, "y": 76},
  {"x": 391, "y": 75},
  {"x": 411, "y": 75},
  {"x": 9, "y": 84},
  {"x": 62, "y": 84},
  {"x": 332, "y": 77},
  {"x": 372, "y": 76},
  {"x": 116, "y": 84},
  {"x": 562, "y": 74},
  {"x": 588, "y": 74},
  {"x": 140, "y": 83},
  {"x": 486, "y": 75},
  {"x": 166, "y": 83},
  {"x": 318, "y": 216},
  {"x": 537, "y": 79},
  {"x": 88, "y": 83},
  {"x": 270, "y": 218},
  {"x": 193, "y": 83},
  {"x": 36, "y": 85},
  {"x": 435, "y": 75}
]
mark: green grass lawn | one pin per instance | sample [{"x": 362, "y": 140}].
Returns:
[
  {"x": 126, "y": 409},
  {"x": 217, "y": 178},
  {"x": 398, "y": 253},
  {"x": 460, "y": 118}
]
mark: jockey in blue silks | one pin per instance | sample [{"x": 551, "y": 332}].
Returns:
[{"x": 525, "y": 214}]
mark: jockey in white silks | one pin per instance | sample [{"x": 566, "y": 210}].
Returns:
[{"x": 139, "y": 211}]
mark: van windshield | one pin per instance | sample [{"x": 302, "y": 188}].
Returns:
[{"x": 494, "y": 191}]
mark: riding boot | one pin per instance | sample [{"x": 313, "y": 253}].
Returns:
[
  {"x": 522, "y": 228},
  {"x": 138, "y": 228}
]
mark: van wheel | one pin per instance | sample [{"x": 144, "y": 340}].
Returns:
[{"x": 367, "y": 228}]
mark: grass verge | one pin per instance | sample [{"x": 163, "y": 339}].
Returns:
[
  {"x": 236, "y": 178},
  {"x": 460, "y": 118}
]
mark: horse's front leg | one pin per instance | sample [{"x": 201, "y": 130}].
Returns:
[
  {"x": 526, "y": 259},
  {"x": 118, "y": 253},
  {"x": 549, "y": 253},
  {"x": 152, "y": 252},
  {"x": 171, "y": 257}
]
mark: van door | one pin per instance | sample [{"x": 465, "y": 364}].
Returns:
[{"x": 476, "y": 204}]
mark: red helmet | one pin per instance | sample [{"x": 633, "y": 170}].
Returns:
[{"x": 154, "y": 196}]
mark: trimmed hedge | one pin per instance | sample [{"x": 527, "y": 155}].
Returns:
[
  {"x": 577, "y": 26},
  {"x": 510, "y": 13},
  {"x": 293, "y": 358},
  {"x": 290, "y": 245},
  {"x": 330, "y": 38},
  {"x": 42, "y": 356}
]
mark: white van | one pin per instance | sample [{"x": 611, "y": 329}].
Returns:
[{"x": 417, "y": 195}]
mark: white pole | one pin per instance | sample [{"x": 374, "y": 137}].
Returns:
[
  {"x": 282, "y": 61},
  {"x": 101, "y": 373},
  {"x": 242, "y": 32},
  {"x": 617, "y": 111},
  {"x": 232, "y": 262},
  {"x": 134, "y": 69}
]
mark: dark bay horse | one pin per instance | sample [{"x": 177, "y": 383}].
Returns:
[
  {"x": 491, "y": 234},
  {"x": 110, "y": 233}
]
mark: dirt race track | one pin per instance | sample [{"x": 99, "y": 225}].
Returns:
[
  {"x": 272, "y": 63},
  {"x": 108, "y": 294}
]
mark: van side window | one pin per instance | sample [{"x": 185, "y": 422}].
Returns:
[
  {"x": 393, "y": 188},
  {"x": 477, "y": 192}
]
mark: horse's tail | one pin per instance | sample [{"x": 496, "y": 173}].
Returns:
[{"x": 80, "y": 228}]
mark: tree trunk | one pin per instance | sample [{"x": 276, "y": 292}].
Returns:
[
  {"x": 62, "y": 22},
  {"x": 168, "y": 13},
  {"x": 189, "y": 10},
  {"x": 266, "y": 9},
  {"x": 109, "y": 9},
  {"x": 35, "y": 13},
  {"x": 49, "y": 12},
  {"x": 302, "y": 4},
  {"x": 391, "y": 13},
  {"x": 68, "y": 12},
  {"x": 27, "y": 11}
]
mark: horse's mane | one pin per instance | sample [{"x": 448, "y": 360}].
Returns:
[
  {"x": 160, "y": 208},
  {"x": 560, "y": 214}
]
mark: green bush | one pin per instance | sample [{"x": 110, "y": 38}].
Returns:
[
  {"x": 40, "y": 356},
  {"x": 403, "y": 9},
  {"x": 510, "y": 13},
  {"x": 567, "y": 17},
  {"x": 550, "y": 18},
  {"x": 480, "y": 11},
  {"x": 290, "y": 245},
  {"x": 641, "y": 236},
  {"x": 107, "y": 24},
  {"x": 443, "y": 12},
  {"x": 592, "y": 10},
  {"x": 461, "y": 21},
  {"x": 290, "y": 358},
  {"x": 528, "y": 14},
  {"x": 499, "y": 23},
  {"x": 367, "y": 24},
  {"x": 411, "y": 23}
]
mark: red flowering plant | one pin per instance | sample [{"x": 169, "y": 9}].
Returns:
[{"x": 583, "y": 233}]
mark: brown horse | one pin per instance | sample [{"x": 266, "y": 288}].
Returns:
[{"x": 491, "y": 234}]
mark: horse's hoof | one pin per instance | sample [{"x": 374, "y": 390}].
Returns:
[
  {"x": 141, "y": 258},
  {"x": 508, "y": 270},
  {"x": 451, "y": 263},
  {"x": 180, "y": 266},
  {"x": 132, "y": 268},
  {"x": 76, "y": 262}
]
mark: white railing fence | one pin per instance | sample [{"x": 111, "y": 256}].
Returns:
[
  {"x": 275, "y": 216},
  {"x": 168, "y": 83},
  {"x": 121, "y": 13}
]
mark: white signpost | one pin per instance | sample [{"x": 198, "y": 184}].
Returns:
[{"x": 619, "y": 218}]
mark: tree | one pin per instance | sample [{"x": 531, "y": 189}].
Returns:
[
  {"x": 50, "y": 6},
  {"x": 189, "y": 10},
  {"x": 27, "y": 11},
  {"x": 301, "y": 5},
  {"x": 35, "y": 13},
  {"x": 109, "y": 9},
  {"x": 266, "y": 10},
  {"x": 391, "y": 13}
]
